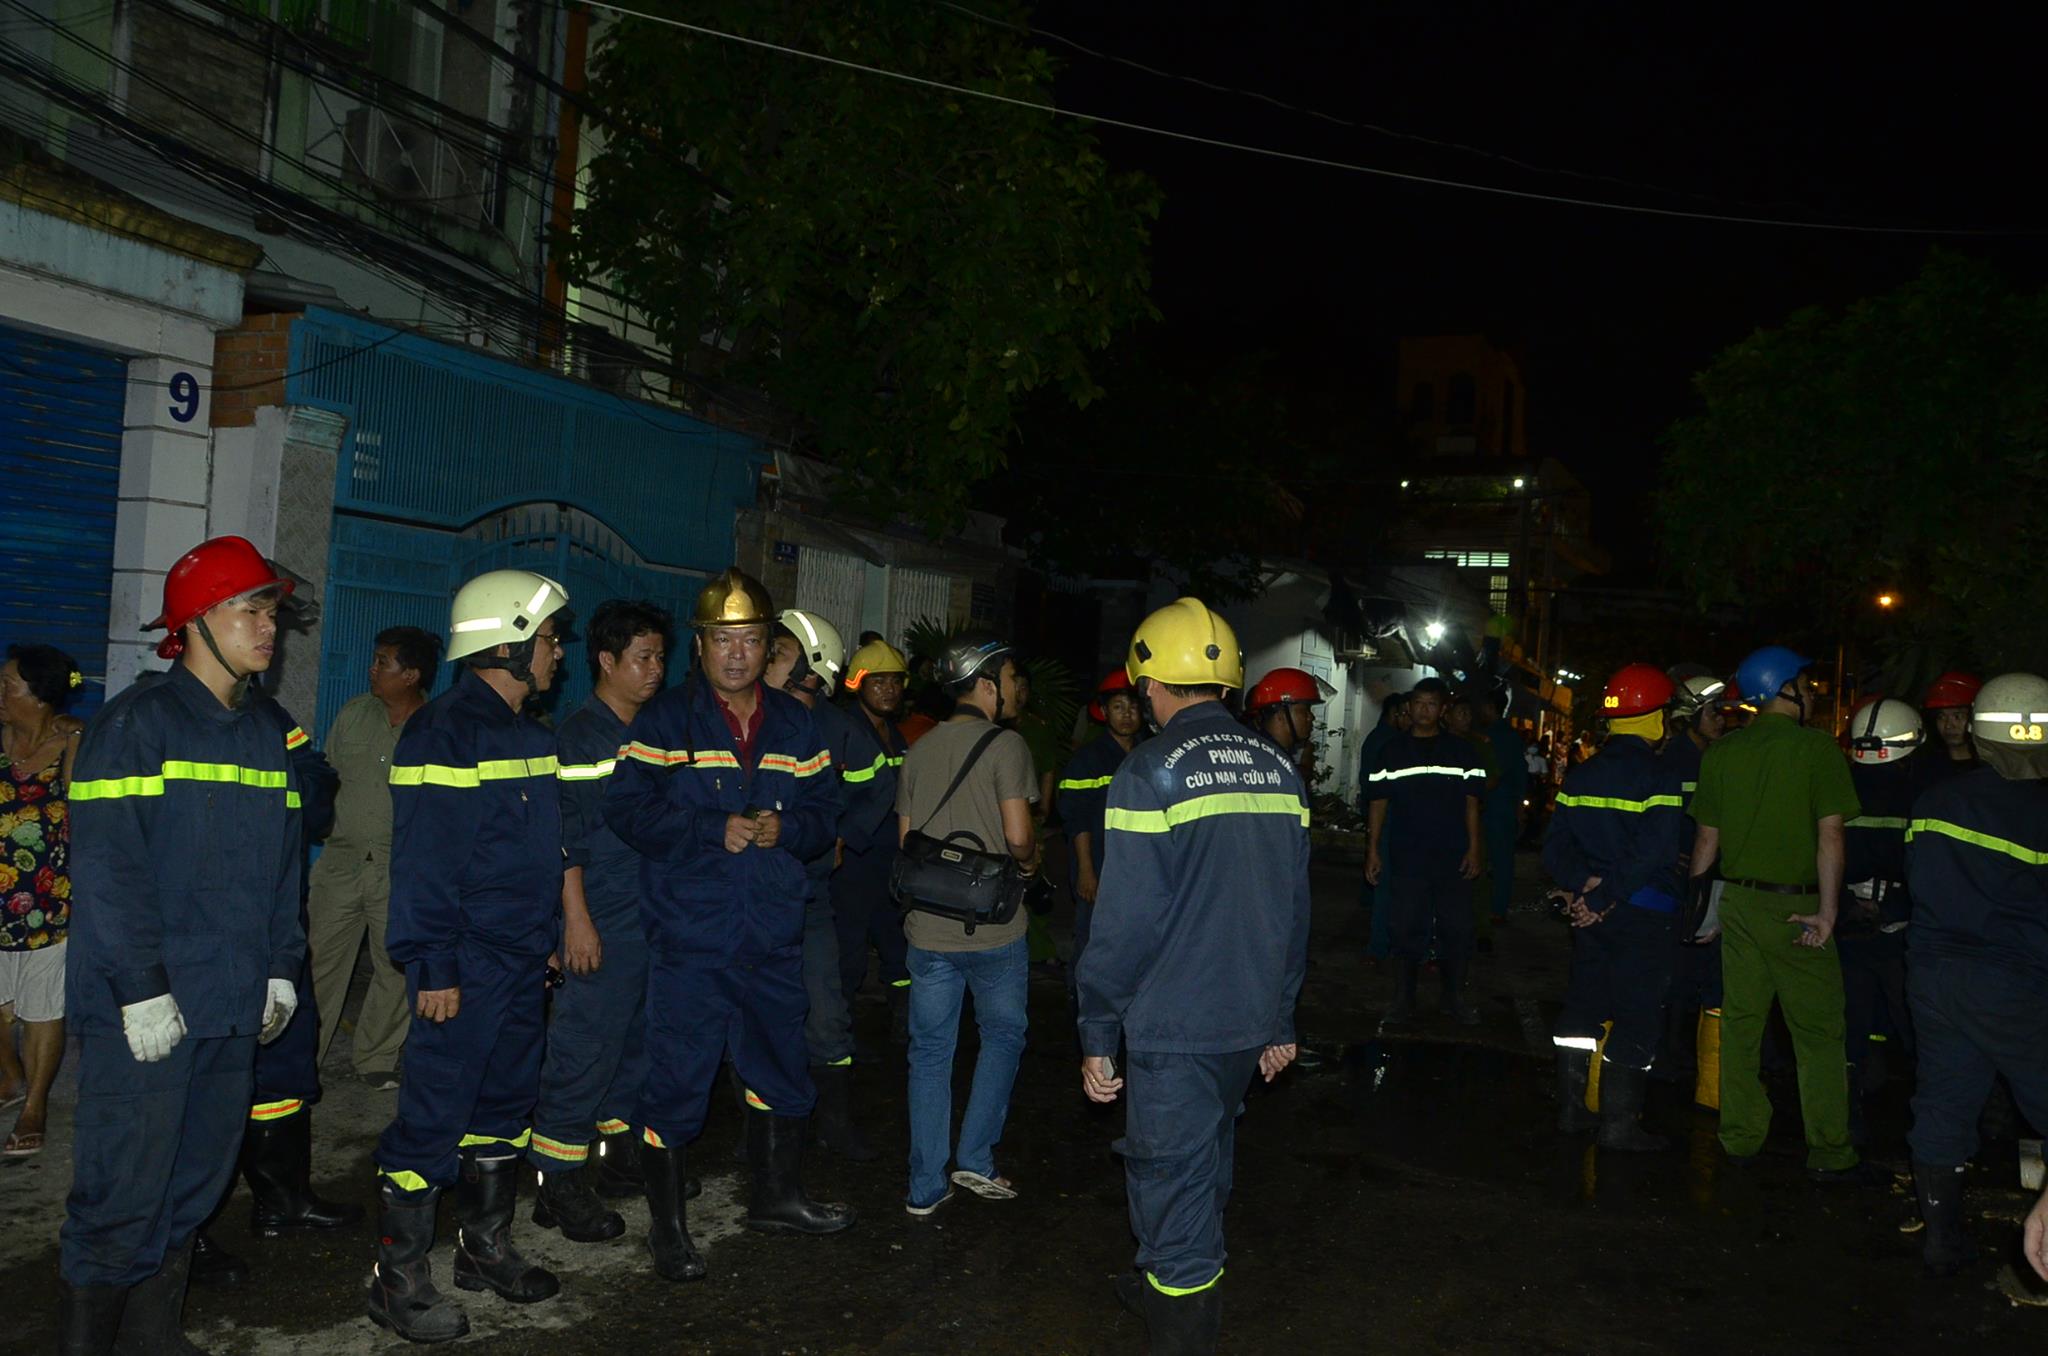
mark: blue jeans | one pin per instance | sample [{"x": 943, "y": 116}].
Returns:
[{"x": 938, "y": 982}]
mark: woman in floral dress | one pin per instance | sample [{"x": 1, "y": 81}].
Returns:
[{"x": 37, "y": 742}]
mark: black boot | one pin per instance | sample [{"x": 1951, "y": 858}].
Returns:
[
  {"x": 775, "y": 1153},
  {"x": 153, "y": 1324},
  {"x": 832, "y": 1124},
  {"x": 668, "y": 1224},
  {"x": 1401, "y": 1011},
  {"x": 484, "y": 1256},
  {"x": 899, "y": 1013},
  {"x": 214, "y": 1265},
  {"x": 1621, "y": 1103},
  {"x": 1573, "y": 1069},
  {"x": 402, "y": 1294},
  {"x": 277, "y": 1162},
  {"x": 615, "y": 1165},
  {"x": 88, "y": 1318},
  {"x": 1946, "y": 1249},
  {"x": 563, "y": 1200},
  {"x": 1180, "y": 1325}
]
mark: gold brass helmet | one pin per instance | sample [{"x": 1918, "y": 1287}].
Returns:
[{"x": 733, "y": 598}]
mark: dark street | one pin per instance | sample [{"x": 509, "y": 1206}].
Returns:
[{"x": 1408, "y": 1195}]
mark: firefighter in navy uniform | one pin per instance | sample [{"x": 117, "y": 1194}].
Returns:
[
  {"x": 476, "y": 904},
  {"x": 1084, "y": 793},
  {"x": 1977, "y": 868},
  {"x": 725, "y": 788},
  {"x": 1888, "y": 776},
  {"x": 861, "y": 902},
  {"x": 1195, "y": 961},
  {"x": 185, "y": 946},
  {"x": 1614, "y": 844}
]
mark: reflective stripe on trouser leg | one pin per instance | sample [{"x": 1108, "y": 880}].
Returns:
[
  {"x": 695, "y": 1014},
  {"x": 153, "y": 1151},
  {"x": 276, "y": 1111},
  {"x": 1179, "y": 1130},
  {"x": 595, "y": 1034}
]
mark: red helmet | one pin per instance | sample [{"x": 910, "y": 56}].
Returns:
[
  {"x": 205, "y": 576},
  {"x": 1636, "y": 690},
  {"x": 1285, "y": 687},
  {"x": 1954, "y": 688},
  {"x": 1116, "y": 680}
]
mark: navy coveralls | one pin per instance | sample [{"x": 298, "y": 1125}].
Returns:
[
  {"x": 1872, "y": 933},
  {"x": 1195, "y": 962},
  {"x": 828, "y": 1027},
  {"x": 1426, "y": 783},
  {"x": 185, "y": 847},
  {"x": 866, "y": 911},
  {"x": 1977, "y": 868},
  {"x": 596, "y": 1056},
  {"x": 1621, "y": 817},
  {"x": 1083, "y": 795},
  {"x": 476, "y": 904},
  {"x": 724, "y": 930},
  {"x": 288, "y": 1069}
]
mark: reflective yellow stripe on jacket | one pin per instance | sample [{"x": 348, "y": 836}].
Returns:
[
  {"x": 295, "y": 738},
  {"x": 647, "y": 753},
  {"x": 490, "y": 770},
  {"x": 1084, "y": 783},
  {"x": 587, "y": 772},
  {"x": 1204, "y": 807},
  {"x": 1633, "y": 807},
  {"x": 808, "y": 767},
  {"x": 868, "y": 773},
  {"x": 2011, "y": 849},
  {"x": 113, "y": 788}
]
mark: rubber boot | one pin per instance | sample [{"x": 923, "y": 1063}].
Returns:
[
  {"x": 1454, "y": 1004},
  {"x": 1180, "y": 1325},
  {"x": 484, "y": 1256},
  {"x": 1947, "y": 1248},
  {"x": 402, "y": 1294},
  {"x": 899, "y": 1013},
  {"x": 1572, "y": 1068},
  {"x": 563, "y": 1200},
  {"x": 1621, "y": 1104},
  {"x": 615, "y": 1166},
  {"x": 1401, "y": 1011},
  {"x": 153, "y": 1323},
  {"x": 668, "y": 1223},
  {"x": 277, "y": 1162},
  {"x": 88, "y": 1318},
  {"x": 832, "y": 1126},
  {"x": 775, "y": 1154},
  {"x": 214, "y": 1265}
]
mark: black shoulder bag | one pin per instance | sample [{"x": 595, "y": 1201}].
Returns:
[{"x": 957, "y": 877}]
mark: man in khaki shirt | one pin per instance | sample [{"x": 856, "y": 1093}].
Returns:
[
  {"x": 944, "y": 959},
  {"x": 350, "y": 888}
]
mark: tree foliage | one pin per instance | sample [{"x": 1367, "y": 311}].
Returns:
[
  {"x": 895, "y": 265},
  {"x": 1897, "y": 447}
]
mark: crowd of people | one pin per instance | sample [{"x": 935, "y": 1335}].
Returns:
[{"x": 578, "y": 929}]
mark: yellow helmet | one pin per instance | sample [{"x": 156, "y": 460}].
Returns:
[
  {"x": 823, "y": 649},
  {"x": 733, "y": 598},
  {"x": 877, "y": 656},
  {"x": 1185, "y": 643},
  {"x": 501, "y": 607}
]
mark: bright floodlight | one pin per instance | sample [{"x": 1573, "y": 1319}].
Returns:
[{"x": 1434, "y": 631}]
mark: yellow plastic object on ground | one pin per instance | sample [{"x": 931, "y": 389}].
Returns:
[{"x": 1706, "y": 1088}]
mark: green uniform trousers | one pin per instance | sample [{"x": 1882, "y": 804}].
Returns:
[
  {"x": 1760, "y": 960},
  {"x": 348, "y": 899}
]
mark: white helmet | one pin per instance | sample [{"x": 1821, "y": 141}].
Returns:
[
  {"x": 2012, "y": 709},
  {"x": 1694, "y": 693},
  {"x": 501, "y": 607},
  {"x": 822, "y": 646},
  {"x": 1884, "y": 732}
]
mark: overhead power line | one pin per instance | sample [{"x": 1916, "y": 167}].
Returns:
[{"x": 1324, "y": 162}]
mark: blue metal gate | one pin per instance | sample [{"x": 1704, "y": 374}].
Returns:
[
  {"x": 60, "y": 474},
  {"x": 455, "y": 463}
]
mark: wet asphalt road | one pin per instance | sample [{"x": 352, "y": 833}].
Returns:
[{"x": 1407, "y": 1196}]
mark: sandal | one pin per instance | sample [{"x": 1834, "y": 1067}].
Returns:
[
  {"x": 22, "y": 1144},
  {"x": 10, "y": 1100},
  {"x": 988, "y": 1188}
]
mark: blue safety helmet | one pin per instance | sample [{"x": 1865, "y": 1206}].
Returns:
[{"x": 1764, "y": 674}]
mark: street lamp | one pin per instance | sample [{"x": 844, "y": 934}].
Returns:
[
  {"x": 1518, "y": 482},
  {"x": 1887, "y": 601}
]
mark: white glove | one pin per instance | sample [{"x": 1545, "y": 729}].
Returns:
[
  {"x": 153, "y": 1027},
  {"x": 278, "y": 1006}
]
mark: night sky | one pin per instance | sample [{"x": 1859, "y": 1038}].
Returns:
[{"x": 1907, "y": 117}]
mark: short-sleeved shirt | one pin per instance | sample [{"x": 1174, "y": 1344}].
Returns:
[
  {"x": 1005, "y": 771},
  {"x": 1426, "y": 784},
  {"x": 1766, "y": 787},
  {"x": 359, "y": 746}
]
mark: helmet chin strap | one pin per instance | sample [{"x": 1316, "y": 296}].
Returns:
[{"x": 241, "y": 689}]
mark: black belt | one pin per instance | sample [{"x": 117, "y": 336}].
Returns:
[{"x": 1773, "y": 888}]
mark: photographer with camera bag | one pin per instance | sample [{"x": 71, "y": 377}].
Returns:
[{"x": 963, "y": 809}]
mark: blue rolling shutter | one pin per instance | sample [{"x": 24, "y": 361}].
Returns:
[{"x": 60, "y": 472}]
